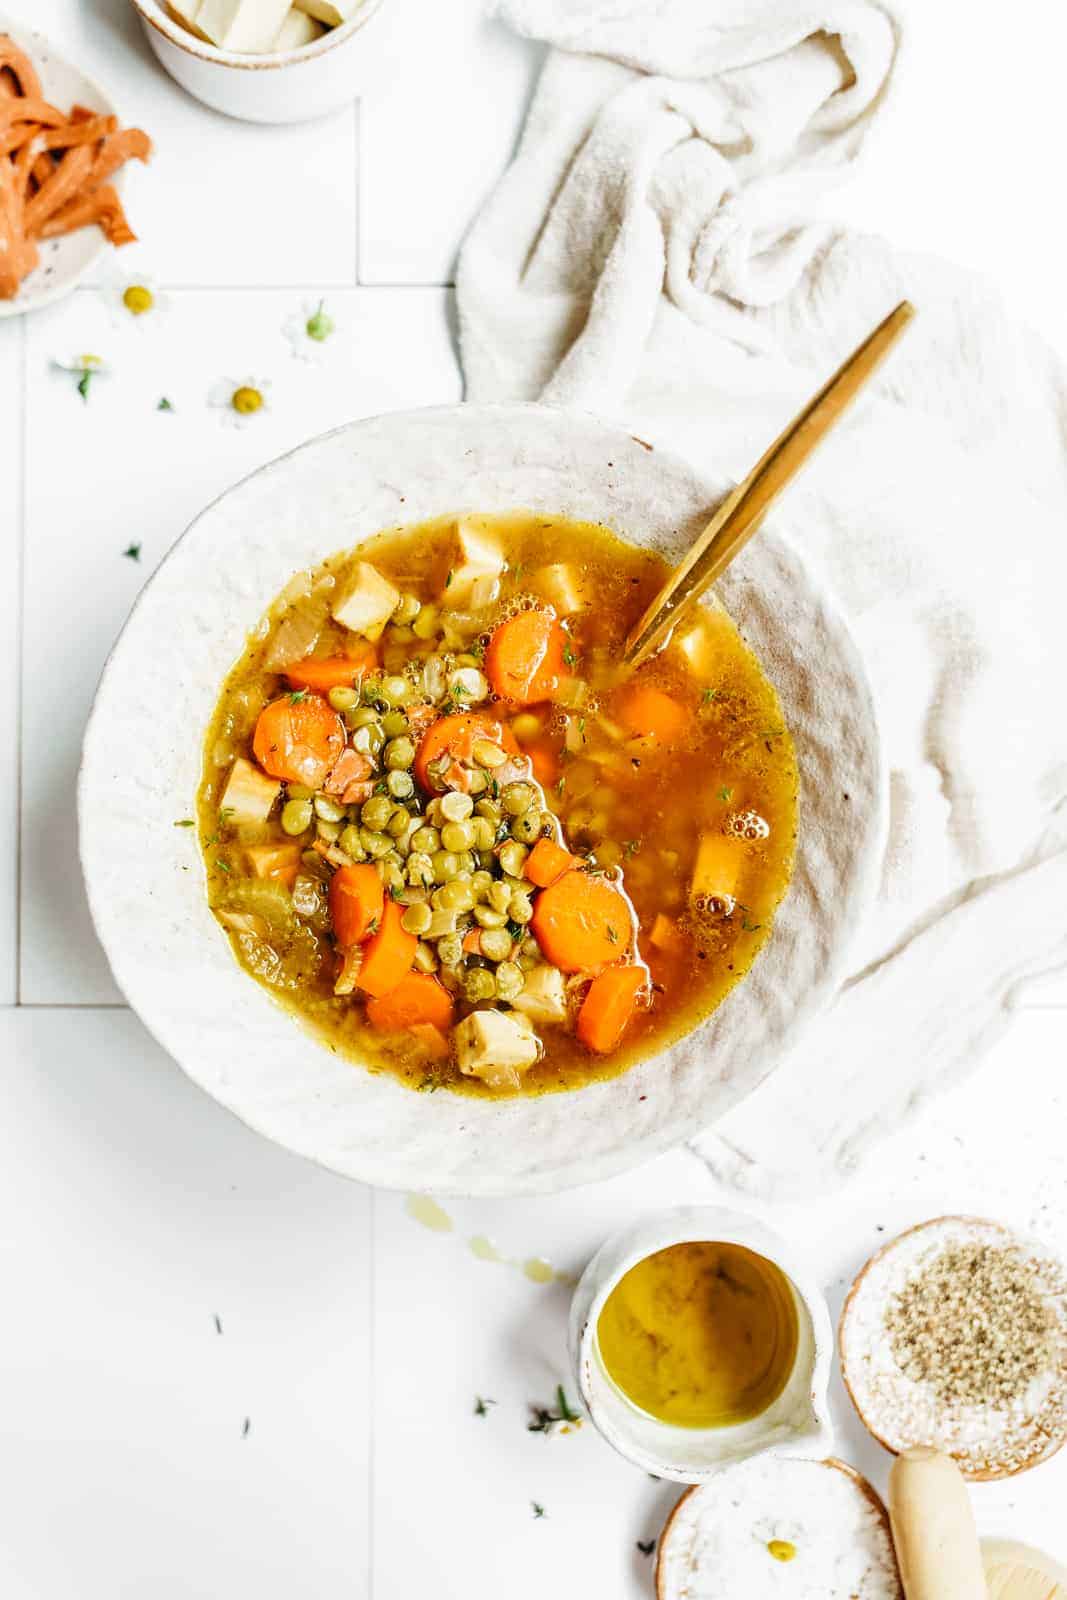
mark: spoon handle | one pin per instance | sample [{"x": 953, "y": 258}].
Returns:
[{"x": 741, "y": 513}]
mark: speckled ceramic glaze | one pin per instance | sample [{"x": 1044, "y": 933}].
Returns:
[
  {"x": 65, "y": 261},
  {"x": 144, "y": 876},
  {"x": 795, "y": 1424}
]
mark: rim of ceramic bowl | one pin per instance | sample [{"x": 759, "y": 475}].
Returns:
[
  {"x": 690, "y": 1224},
  {"x": 522, "y": 1145},
  {"x": 36, "y": 43},
  {"x": 154, "y": 14}
]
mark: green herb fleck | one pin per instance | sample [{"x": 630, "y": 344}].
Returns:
[
  {"x": 545, "y": 1419},
  {"x": 538, "y": 1511},
  {"x": 319, "y": 325},
  {"x": 725, "y": 793},
  {"x": 246, "y": 1427},
  {"x": 164, "y": 404},
  {"x": 84, "y": 382},
  {"x": 223, "y": 866},
  {"x": 518, "y": 570},
  {"x": 185, "y": 822},
  {"x": 132, "y": 552},
  {"x": 612, "y": 934},
  {"x": 372, "y": 925},
  {"x": 516, "y": 930},
  {"x": 561, "y": 785},
  {"x": 569, "y": 657},
  {"x": 482, "y": 1404},
  {"x": 448, "y": 580},
  {"x": 751, "y": 927},
  {"x": 297, "y": 695},
  {"x": 430, "y": 1085},
  {"x": 218, "y": 1323},
  {"x": 631, "y": 847},
  {"x": 708, "y": 696}
]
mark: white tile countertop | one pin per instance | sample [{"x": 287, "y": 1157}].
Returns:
[{"x": 225, "y": 1372}]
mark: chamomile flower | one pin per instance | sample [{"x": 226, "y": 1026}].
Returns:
[
  {"x": 133, "y": 298},
  {"x": 309, "y": 331},
  {"x": 240, "y": 400},
  {"x": 84, "y": 367}
]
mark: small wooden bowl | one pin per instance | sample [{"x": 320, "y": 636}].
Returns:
[
  {"x": 1033, "y": 1441},
  {"x": 664, "y": 1589}
]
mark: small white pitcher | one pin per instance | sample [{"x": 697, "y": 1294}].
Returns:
[{"x": 795, "y": 1424}]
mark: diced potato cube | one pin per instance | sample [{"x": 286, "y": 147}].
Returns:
[
  {"x": 367, "y": 603},
  {"x": 496, "y": 1046},
  {"x": 278, "y": 862},
  {"x": 542, "y": 997},
  {"x": 250, "y": 794},
  {"x": 474, "y": 558},
  {"x": 558, "y": 584},
  {"x": 718, "y": 865}
]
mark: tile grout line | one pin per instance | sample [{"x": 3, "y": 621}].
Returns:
[
  {"x": 20, "y": 635},
  {"x": 357, "y": 126},
  {"x": 371, "y": 1303}
]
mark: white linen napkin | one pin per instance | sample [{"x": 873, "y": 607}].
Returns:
[{"x": 651, "y": 255}]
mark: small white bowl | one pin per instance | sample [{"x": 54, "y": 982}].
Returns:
[
  {"x": 279, "y": 86},
  {"x": 64, "y": 261},
  {"x": 795, "y": 1424}
]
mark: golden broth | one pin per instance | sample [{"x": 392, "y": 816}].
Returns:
[
  {"x": 638, "y": 812},
  {"x": 701, "y": 1335}
]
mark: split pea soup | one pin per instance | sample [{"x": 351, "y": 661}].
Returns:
[{"x": 449, "y": 833}]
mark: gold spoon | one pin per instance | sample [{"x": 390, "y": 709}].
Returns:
[{"x": 744, "y": 508}]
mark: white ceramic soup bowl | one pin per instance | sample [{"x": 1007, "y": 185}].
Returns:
[
  {"x": 278, "y": 85},
  {"x": 795, "y": 1424},
  {"x": 145, "y": 879}
]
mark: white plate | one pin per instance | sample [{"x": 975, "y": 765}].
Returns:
[
  {"x": 65, "y": 261},
  {"x": 141, "y": 769}
]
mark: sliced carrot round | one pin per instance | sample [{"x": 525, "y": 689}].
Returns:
[
  {"x": 387, "y": 955},
  {"x": 610, "y": 1002},
  {"x": 418, "y": 1000},
  {"x": 581, "y": 922},
  {"x": 456, "y": 737},
  {"x": 650, "y": 713},
  {"x": 356, "y": 898},
  {"x": 323, "y": 673},
  {"x": 525, "y": 658},
  {"x": 298, "y": 738}
]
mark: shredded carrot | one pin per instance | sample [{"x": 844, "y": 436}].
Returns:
[
  {"x": 610, "y": 1002},
  {"x": 581, "y": 922},
  {"x": 333, "y": 672},
  {"x": 44, "y": 195},
  {"x": 546, "y": 862},
  {"x": 85, "y": 131},
  {"x": 455, "y": 737},
  {"x": 525, "y": 657},
  {"x": 102, "y": 206},
  {"x": 299, "y": 738},
  {"x": 650, "y": 713},
  {"x": 387, "y": 954},
  {"x": 356, "y": 899},
  {"x": 418, "y": 1001}
]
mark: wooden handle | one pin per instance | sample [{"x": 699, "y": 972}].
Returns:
[
  {"x": 744, "y": 508},
  {"x": 933, "y": 1529}
]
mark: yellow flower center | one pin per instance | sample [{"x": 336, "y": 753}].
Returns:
[
  {"x": 137, "y": 299},
  {"x": 246, "y": 400},
  {"x": 782, "y": 1549}
]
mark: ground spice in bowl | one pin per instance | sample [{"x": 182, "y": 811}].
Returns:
[{"x": 955, "y": 1336}]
